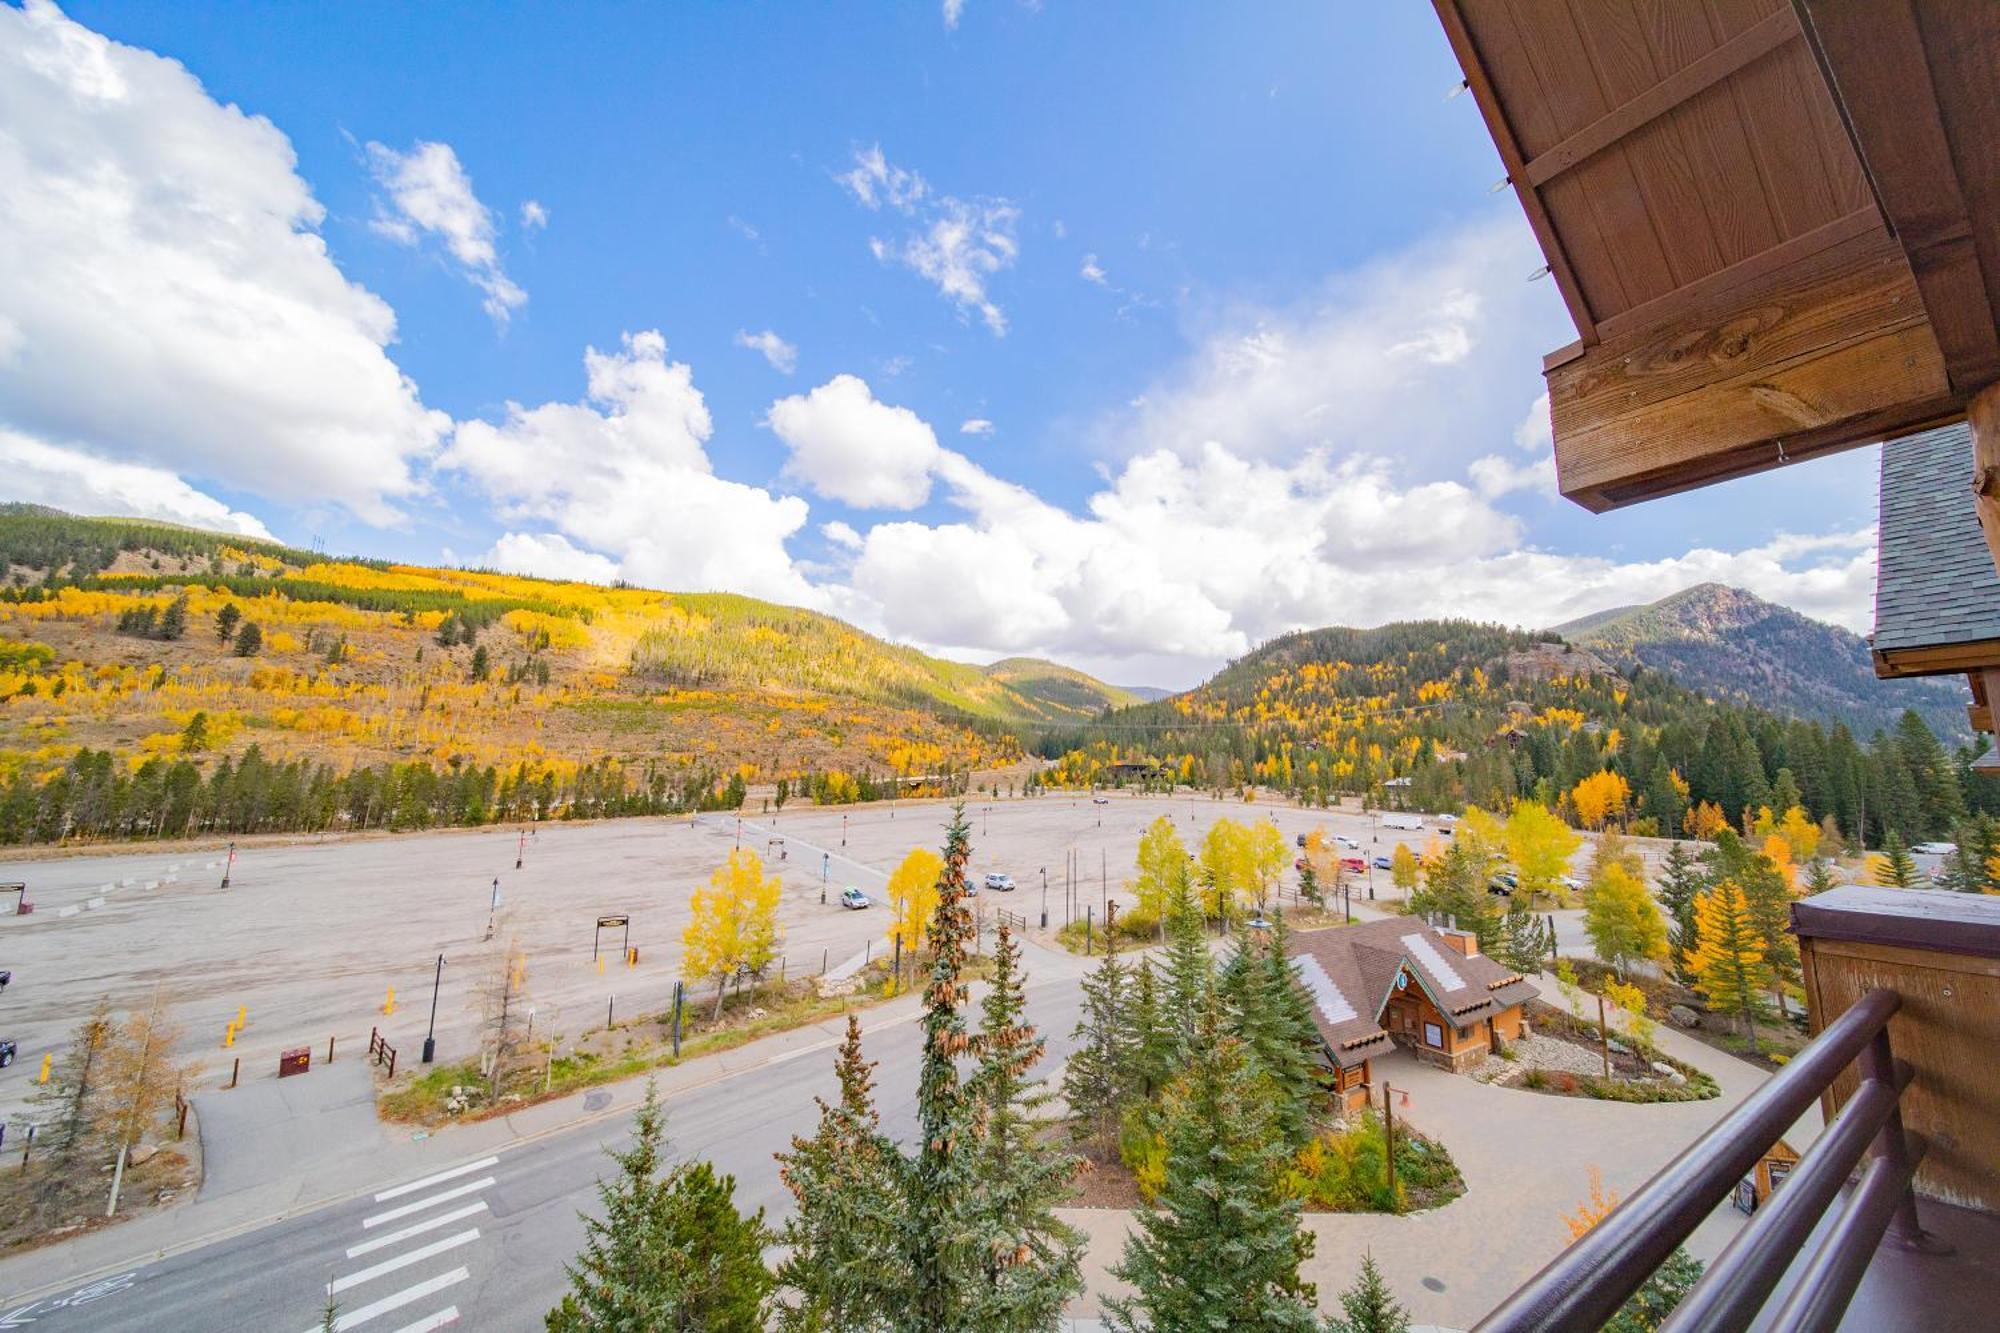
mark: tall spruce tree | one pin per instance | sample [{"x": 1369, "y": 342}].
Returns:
[
  {"x": 1101, "y": 1076},
  {"x": 1190, "y": 970},
  {"x": 1896, "y": 868},
  {"x": 841, "y": 1264},
  {"x": 1682, "y": 880},
  {"x": 1028, "y": 1262},
  {"x": 1155, "y": 1040},
  {"x": 938, "y": 1248},
  {"x": 1222, "y": 1249},
  {"x": 1274, "y": 1019},
  {"x": 670, "y": 1252}
]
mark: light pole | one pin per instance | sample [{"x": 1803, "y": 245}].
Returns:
[
  {"x": 230, "y": 864},
  {"x": 493, "y": 908},
  {"x": 521, "y": 850},
  {"x": 430, "y": 1035},
  {"x": 1045, "y": 897},
  {"x": 823, "y": 859},
  {"x": 843, "y": 830}
]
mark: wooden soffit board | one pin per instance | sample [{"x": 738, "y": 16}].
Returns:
[{"x": 1742, "y": 294}]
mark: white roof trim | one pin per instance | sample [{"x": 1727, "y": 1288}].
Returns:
[
  {"x": 1434, "y": 962},
  {"x": 1332, "y": 1005}
]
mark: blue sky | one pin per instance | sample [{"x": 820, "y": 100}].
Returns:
[{"x": 1254, "y": 345}]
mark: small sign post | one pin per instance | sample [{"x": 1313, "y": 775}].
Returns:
[{"x": 612, "y": 921}]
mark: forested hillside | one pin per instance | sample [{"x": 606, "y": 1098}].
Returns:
[
  {"x": 1734, "y": 644},
  {"x": 1440, "y": 714},
  {"x": 159, "y": 680}
]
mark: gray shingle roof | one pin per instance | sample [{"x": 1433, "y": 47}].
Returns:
[
  {"x": 1358, "y": 965},
  {"x": 1934, "y": 582}
]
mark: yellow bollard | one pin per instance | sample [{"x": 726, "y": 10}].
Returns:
[
  {"x": 242, "y": 1016},
  {"x": 389, "y": 1004},
  {"x": 229, "y": 1036},
  {"x": 47, "y": 1061},
  {"x": 600, "y": 965}
]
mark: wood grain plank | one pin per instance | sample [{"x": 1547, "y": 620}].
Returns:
[
  {"x": 1472, "y": 59},
  {"x": 1785, "y": 142},
  {"x": 1881, "y": 77},
  {"x": 1962, "y": 42}
]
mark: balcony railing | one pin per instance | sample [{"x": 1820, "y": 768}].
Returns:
[{"x": 1589, "y": 1281}]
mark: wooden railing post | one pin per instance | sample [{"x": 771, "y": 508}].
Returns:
[{"x": 1878, "y": 1062}]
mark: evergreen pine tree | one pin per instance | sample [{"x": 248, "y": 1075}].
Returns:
[
  {"x": 226, "y": 621},
  {"x": 1649, "y": 1306},
  {"x": 1728, "y": 958},
  {"x": 1819, "y": 876},
  {"x": 1100, "y": 1077},
  {"x": 1282, "y": 1037},
  {"x": 1681, "y": 881},
  {"x": 66, "y": 1113},
  {"x": 1368, "y": 1306},
  {"x": 1222, "y": 1249},
  {"x": 1190, "y": 970},
  {"x": 1524, "y": 939},
  {"x": 173, "y": 621},
  {"x": 1028, "y": 1262},
  {"x": 841, "y": 1239},
  {"x": 670, "y": 1252},
  {"x": 1896, "y": 868},
  {"x": 937, "y": 1248},
  {"x": 1154, "y": 1039},
  {"x": 1966, "y": 869}
]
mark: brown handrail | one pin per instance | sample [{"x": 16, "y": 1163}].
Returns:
[{"x": 1588, "y": 1282}]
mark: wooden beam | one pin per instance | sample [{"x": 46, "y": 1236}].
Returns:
[
  {"x": 1511, "y": 158},
  {"x": 1983, "y": 412},
  {"x": 1943, "y": 659},
  {"x": 1832, "y": 351},
  {"x": 1739, "y": 52},
  {"x": 1880, "y": 75}
]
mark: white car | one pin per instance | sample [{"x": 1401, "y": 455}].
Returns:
[
  {"x": 1935, "y": 848},
  {"x": 1000, "y": 883},
  {"x": 1352, "y": 844},
  {"x": 853, "y": 899}
]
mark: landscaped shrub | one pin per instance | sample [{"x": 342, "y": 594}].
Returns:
[
  {"x": 1143, "y": 1149},
  {"x": 1343, "y": 1170}
]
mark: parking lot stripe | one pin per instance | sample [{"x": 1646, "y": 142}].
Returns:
[
  {"x": 416, "y": 1256},
  {"x": 438, "y": 1179},
  {"x": 447, "y": 1196},
  {"x": 428, "y": 1224},
  {"x": 396, "y": 1301}
]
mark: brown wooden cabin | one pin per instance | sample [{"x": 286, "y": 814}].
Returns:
[{"x": 1401, "y": 982}]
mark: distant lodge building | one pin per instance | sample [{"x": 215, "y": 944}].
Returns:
[{"x": 1399, "y": 982}]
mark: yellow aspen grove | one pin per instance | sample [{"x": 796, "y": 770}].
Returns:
[
  {"x": 1600, "y": 798},
  {"x": 1226, "y": 873},
  {"x": 913, "y": 896},
  {"x": 1621, "y": 920},
  {"x": 1266, "y": 858},
  {"x": 1404, "y": 869},
  {"x": 734, "y": 925}
]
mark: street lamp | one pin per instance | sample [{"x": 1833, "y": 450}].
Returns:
[
  {"x": 843, "y": 830},
  {"x": 430, "y": 1036},
  {"x": 1045, "y": 897},
  {"x": 230, "y": 864},
  {"x": 823, "y": 858}
]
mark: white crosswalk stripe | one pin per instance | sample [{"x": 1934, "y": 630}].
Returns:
[
  {"x": 409, "y": 1209},
  {"x": 416, "y": 1256},
  {"x": 428, "y": 1224},
  {"x": 444, "y": 1198}
]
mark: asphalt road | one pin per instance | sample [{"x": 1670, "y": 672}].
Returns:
[{"x": 483, "y": 1241}]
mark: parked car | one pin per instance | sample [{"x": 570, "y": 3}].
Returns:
[
  {"x": 1352, "y": 844},
  {"x": 1384, "y": 863},
  {"x": 1571, "y": 882},
  {"x": 5, "y": 977},
  {"x": 1299, "y": 841},
  {"x": 1503, "y": 884},
  {"x": 853, "y": 899},
  {"x": 6, "y": 1054},
  {"x": 1354, "y": 865},
  {"x": 1935, "y": 848},
  {"x": 1299, "y": 864},
  {"x": 1000, "y": 883},
  {"x": 1100, "y": 800},
  {"x": 1445, "y": 830}
]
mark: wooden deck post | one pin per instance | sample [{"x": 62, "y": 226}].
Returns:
[{"x": 1389, "y": 1140}]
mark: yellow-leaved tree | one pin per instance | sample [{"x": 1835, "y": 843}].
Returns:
[
  {"x": 1225, "y": 868},
  {"x": 1728, "y": 958},
  {"x": 1621, "y": 920},
  {"x": 913, "y": 897},
  {"x": 1540, "y": 845},
  {"x": 1266, "y": 857},
  {"x": 1162, "y": 856},
  {"x": 1404, "y": 869},
  {"x": 1600, "y": 798},
  {"x": 734, "y": 925}
]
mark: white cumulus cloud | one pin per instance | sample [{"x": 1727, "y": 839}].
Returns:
[
  {"x": 83, "y": 483},
  {"x": 167, "y": 297},
  {"x": 975, "y": 426},
  {"x": 430, "y": 192},
  {"x": 783, "y": 356},
  {"x": 849, "y": 446},
  {"x": 626, "y": 473},
  {"x": 548, "y": 555},
  {"x": 534, "y": 217}
]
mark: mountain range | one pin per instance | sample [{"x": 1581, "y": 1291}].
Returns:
[{"x": 1735, "y": 645}]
